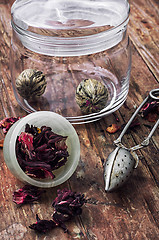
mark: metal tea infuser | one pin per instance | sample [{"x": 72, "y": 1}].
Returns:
[{"x": 122, "y": 161}]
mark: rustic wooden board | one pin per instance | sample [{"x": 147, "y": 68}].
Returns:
[
  {"x": 144, "y": 31},
  {"x": 132, "y": 211}
]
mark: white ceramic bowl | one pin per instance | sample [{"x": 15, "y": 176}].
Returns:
[{"x": 60, "y": 126}]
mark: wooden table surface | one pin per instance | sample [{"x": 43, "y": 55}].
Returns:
[{"x": 131, "y": 212}]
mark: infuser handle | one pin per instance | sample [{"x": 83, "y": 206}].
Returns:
[
  {"x": 153, "y": 94},
  {"x": 147, "y": 140},
  {"x": 117, "y": 142}
]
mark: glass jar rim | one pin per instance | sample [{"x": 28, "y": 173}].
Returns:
[
  {"x": 69, "y": 46},
  {"x": 21, "y": 25}
]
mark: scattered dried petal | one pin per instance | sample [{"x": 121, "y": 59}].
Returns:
[
  {"x": 66, "y": 205},
  {"x": 149, "y": 109},
  {"x": 27, "y": 194},
  {"x": 43, "y": 226},
  {"x": 60, "y": 218},
  {"x": 113, "y": 128},
  {"x": 6, "y": 123}
]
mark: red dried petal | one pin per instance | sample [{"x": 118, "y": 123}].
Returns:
[
  {"x": 27, "y": 194},
  {"x": 60, "y": 218},
  {"x": 38, "y": 169},
  {"x": 61, "y": 145},
  {"x": 39, "y": 172},
  {"x": 41, "y": 152},
  {"x": 41, "y": 148},
  {"x": 27, "y": 140},
  {"x": 150, "y": 107},
  {"x": 67, "y": 204},
  {"x": 19, "y": 197},
  {"x": 43, "y": 226},
  {"x": 6, "y": 123},
  {"x": 112, "y": 128}
]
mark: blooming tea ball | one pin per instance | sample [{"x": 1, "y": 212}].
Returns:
[
  {"x": 31, "y": 83},
  {"x": 91, "y": 95}
]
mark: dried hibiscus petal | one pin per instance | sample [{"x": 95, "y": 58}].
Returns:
[
  {"x": 150, "y": 110},
  {"x": 66, "y": 205},
  {"x": 42, "y": 226},
  {"x": 60, "y": 218},
  {"x": 40, "y": 151},
  {"x": 113, "y": 128},
  {"x": 27, "y": 194},
  {"x": 61, "y": 144},
  {"x": 6, "y": 123},
  {"x": 39, "y": 172},
  {"x": 27, "y": 140}
]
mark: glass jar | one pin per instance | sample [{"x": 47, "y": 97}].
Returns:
[{"x": 69, "y": 42}]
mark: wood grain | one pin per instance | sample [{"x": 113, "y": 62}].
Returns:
[
  {"x": 144, "y": 32},
  {"x": 132, "y": 211}
]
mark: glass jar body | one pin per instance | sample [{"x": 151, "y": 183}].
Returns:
[{"x": 105, "y": 57}]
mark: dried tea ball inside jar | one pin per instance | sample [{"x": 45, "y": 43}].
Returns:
[
  {"x": 31, "y": 83},
  {"x": 91, "y": 95}
]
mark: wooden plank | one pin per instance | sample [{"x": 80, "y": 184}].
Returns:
[{"x": 144, "y": 31}]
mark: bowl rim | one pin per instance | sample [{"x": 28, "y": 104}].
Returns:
[{"x": 18, "y": 128}]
